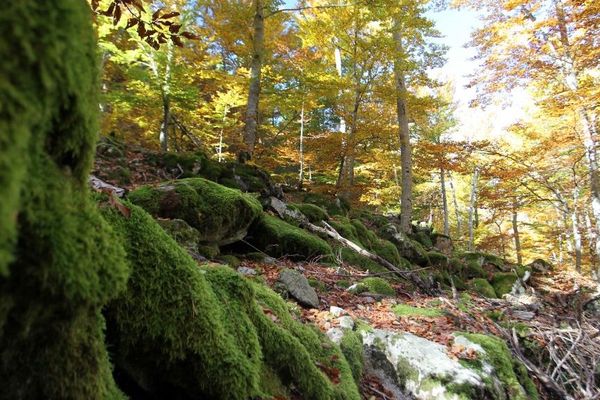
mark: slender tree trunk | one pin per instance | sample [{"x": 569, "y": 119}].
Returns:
[
  {"x": 338, "y": 67},
  {"x": 258, "y": 39},
  {"x": 220, "y": 150},
  {"x": 166, "y": 101},
  {"x": 576, "y": 233},
  {"x": 472, "y": 208},
  {"x": 403, "y": 132},
  {"x": 444, "y": 201},
  {"x": 346, "y": 175},
  {"x": 592, "y": 240},
  {"x": 515, "y": 227},
  {"x": 301, "y": 149},
  {"x": 456, "y": 210}
]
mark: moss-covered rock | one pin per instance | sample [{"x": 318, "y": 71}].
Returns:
[
  {"x": 422, "y": 236},
  {"x": 483, "y": 287},
  {"x": 359, "y": 261},
  {"x": 211, "y": 337},
  {"x": 221, "y": 215},
  {"x": 280, "y": 239},
  {"x": 503, "y": 282},
  {"x": 407, "y": 247},
  {"x": 312, "y": 212},
  {"x": 185, "y": 235},
  {"x": 515, "y": 382},
  {"x": 352, "y": 348},
  {"x": 438, "y": 259},
  {"x": 378, "y": 285},
  {"x": 60, "y": 262},
  {"x": 333, "y": 205}
]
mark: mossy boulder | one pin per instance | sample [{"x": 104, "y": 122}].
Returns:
[
  {"x": 358, "y": 261},
  {"x": 352, "y": 348},
  {"x": 333, "y": 204},
  {"x": 280, "y": 239},
  {"x": 212, "y": 337},
  {"x": 60, "y": 262},
  {"x": 504, "y": 282},
  {"x": 483, "y": 287},
  {"x": 185, "y": 235},
  {"x": 407, "y": 247},
  {"x": 221, "y": 215},
  {"x": 312, "y": 212},
  {"x": 437, "y": 259},
  {"x": 515, "y": 384},
  {"x": 378, "y": 285},
  {"x": 442, "y": 243}
]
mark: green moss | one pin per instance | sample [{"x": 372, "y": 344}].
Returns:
[
  {"x": 333, "y": 205},
  {"x": 175, "y": 324},
  {"x": 204, "y": 332},
  {"x": 438, "y": 259},
  {"x": 60, "y": 262},
  {"x": 317, "y": 284},
  {"x": 183, "y": 234},
  {"x": 209, "y": 251},
  {"x": 364, "y": 234},
  {"x": 406, "y": 310},
  {"x": 312, "y": 212},
  {"x": 473, "y": 267},
  {"x": 293, "y": 349},
  {"x": 423, "y": 238},
  {"x": 483, "y": 287},
  {"x": 352, "y": 348},
  {"x": 221, "y": 215},
  {"x": 387, "y": 250},
  {"x": 507, "y": 368},
  {"x": 358, "y": 288},
  {"x": 503, "y": 282},
  {"x": 343, "y": 226},
  {"x": 378, "y": 285},
  {"x": 280, "y": 239},
  {"x": 230, "y": 260},
  {"x": 358, "y": 261}
]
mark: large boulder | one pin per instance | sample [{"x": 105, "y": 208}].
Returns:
[
  {"x": 408, "y": 248},
  {"x": 424, "y": 370},
  {"x": 442, "y": 243},
  {"x": 220, "y": 215},
  {"x": 281, "y": 239}
]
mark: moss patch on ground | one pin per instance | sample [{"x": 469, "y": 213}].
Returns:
[
  {"x": 406, "y": 310},
  {"x": 378, "y": 285}
]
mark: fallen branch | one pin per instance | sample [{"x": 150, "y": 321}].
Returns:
[
  {"x": 549, "y": 383},
  {"x": 283, "y": 211}
]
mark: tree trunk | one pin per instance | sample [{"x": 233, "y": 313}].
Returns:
[
  {"x": 166, "y": 101},
  {"x": 472, "y": 208},
  {"x": 576, "y": 233},
  {"x": 220, "y": 150},
  {"x": 346, "y": 175},
  {"x": 258, "y": 39},
  {"x": 403, "y": 132},
  {"x": 444, "y": 201},
  {"x": 515, "y": 227},
  {"x": 301, "y": 149},
  {"x": 456, "y": 210}
]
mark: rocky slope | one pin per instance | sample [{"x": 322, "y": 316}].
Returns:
[{"x": 394, "y": 341}]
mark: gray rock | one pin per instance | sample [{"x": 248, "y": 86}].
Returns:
[
  {"x": 246, "y": 271},
  {"x": 346, "y": 322},
  {"x": 298, "y": 287},
  {"x": 336, "y": 311},
  {"x": 443, "y": 244},
  {"x": 335, "y": 334}
]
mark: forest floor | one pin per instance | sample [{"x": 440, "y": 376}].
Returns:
[{"x": 550, "y": 320}]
